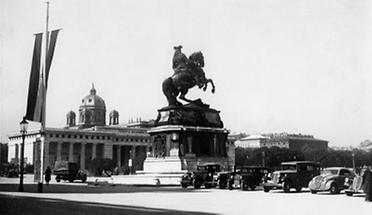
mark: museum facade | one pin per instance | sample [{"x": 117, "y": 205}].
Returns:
[{"x": 88, "y": 139}]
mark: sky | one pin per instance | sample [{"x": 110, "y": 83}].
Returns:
[{"x": 294, "y": 66}]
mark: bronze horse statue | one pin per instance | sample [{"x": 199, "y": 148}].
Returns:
[{"x": 180, "y": 82}]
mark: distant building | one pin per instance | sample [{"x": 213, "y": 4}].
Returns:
[
  {"x": 230, "y": 147},
  {"x": 88, "y": 139},
  {"x": 296, "y": 142},
  {"x": 252, "y": 141},
  {"x": 283, "y": 140}
]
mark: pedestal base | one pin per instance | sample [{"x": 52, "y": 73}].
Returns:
[{"x": 166, "y": 165}]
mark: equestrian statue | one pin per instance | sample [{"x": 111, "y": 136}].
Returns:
[{"x": 188, "y": 72}]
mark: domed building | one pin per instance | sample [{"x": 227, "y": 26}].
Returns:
[
  {"x": 92, "y": 111},
  {"x": 88, "y": 139}
]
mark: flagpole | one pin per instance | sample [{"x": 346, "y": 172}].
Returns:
[{"x": 43, "y": 111}]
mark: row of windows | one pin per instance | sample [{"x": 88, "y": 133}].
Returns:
[
  {"x": 97, "y": 137},
  {"x": 275, "y": 143},
  {"x": 132, "y": 140}
]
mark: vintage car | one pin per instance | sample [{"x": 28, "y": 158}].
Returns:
[
  {"x": 206, "y": 174},
  {"x": 251, "y": 176},
  {"x": 295, "y": 174},
  {"x": 355, "y": 185},
  {"x": 70, "y": 172},
  {"x": 331, "y": 179},
  {"x": 223, "y": 179}
]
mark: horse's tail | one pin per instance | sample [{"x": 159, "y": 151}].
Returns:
[
  {"x": 167, "y": 85},
  {"x": 168, "y": 90}
]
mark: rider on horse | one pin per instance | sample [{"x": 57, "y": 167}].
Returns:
[
  {"x": 182, "y": 64},
  {"x": 179, "y": 60}
]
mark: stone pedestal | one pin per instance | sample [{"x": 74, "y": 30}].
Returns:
[
  {"x": 184, "y": 137},
  {"x": 179, "y": 148}
]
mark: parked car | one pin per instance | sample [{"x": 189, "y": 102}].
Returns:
[
  {"x": 205, "y": 175},
  {"x": 355, "y": 185},
  {"x": 70, "y": 172},
  {"x": 223, "y": 180},
  {"x": 187, "y": 180},
  {"x": 331, "y": 179},
  {"x": 251, "y": 176},
  {"x": 295, "y": 174}
]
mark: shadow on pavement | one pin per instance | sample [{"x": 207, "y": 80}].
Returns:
[
  {"x": 32, "y": 205},
  {"x": 83, "y": 188},
  {"x": 290, "y": 192}
]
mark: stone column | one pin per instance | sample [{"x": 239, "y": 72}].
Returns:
[
  {"x": 118, "y": 153},
  {"x": 94, "y": 150},
  {"x": 59, "y": 151},
  {"x": 168, "y": 145},
  {"x": 82, "y": 156},
  {"x": 133, "y": 155},
  {"x": 189, "y": 144},
  {"x": 71, "y": 152},
  {"x": 46, "y": 155},
  {"x": 107, "y": 150}
]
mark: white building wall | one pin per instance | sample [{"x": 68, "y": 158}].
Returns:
[
  {"x": 11, "y": 152},
  {"x": 29, "y": 148},
  {"x": 253, "y": 143}
]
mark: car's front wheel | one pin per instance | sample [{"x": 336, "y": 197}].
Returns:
[
  {"x": 266, "y": 189},
  {"x": 349, "y": 193},
  {"x": 286, "y": 187},
  {"x": 313, "y": 191},
  {"x": 244, "y": 186},
  {"x": 334, "y": 189},
  {"x": 71, "y": 179},
  {"x": 197, "y": 184}
]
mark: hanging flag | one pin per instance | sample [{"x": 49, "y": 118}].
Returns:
[
  {"x": 33, "y": 87},
  {"x": 52, "y": 45},
  {"x": 37, "y": 85}
]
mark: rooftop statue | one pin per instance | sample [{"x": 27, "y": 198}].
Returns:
[{"x": 188, "y": 72}]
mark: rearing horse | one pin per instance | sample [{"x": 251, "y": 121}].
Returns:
[{"x": 180, "y": 83}]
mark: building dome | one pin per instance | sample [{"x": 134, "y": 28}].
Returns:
[
  {"x": 92, "y": 111},
  {"x": 93, "y": 100}
]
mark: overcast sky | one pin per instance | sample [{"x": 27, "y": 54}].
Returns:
[{"x": 295, "y": 66}]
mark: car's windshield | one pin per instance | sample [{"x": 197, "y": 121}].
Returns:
[
  {"x": 330, "y": 172},
  {"x": 246, "y": 170},
  {"x": 288, "y": 167}
]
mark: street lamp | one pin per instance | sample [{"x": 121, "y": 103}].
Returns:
[{"x": 23, "y": 129}]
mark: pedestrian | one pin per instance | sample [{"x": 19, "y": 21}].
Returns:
[
  {"x": 367, "y": 183},
  {"x": 48, "y": 172}
]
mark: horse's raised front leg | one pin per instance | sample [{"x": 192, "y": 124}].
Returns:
[{"x": 213, "y": 87}]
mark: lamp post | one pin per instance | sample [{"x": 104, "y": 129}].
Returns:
[{"x": 23, "y": 129}]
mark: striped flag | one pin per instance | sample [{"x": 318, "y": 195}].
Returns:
[{"x": 37, "y": 85}]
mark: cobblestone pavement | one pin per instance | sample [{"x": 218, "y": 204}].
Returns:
[{"x": 78, "y": 198}]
